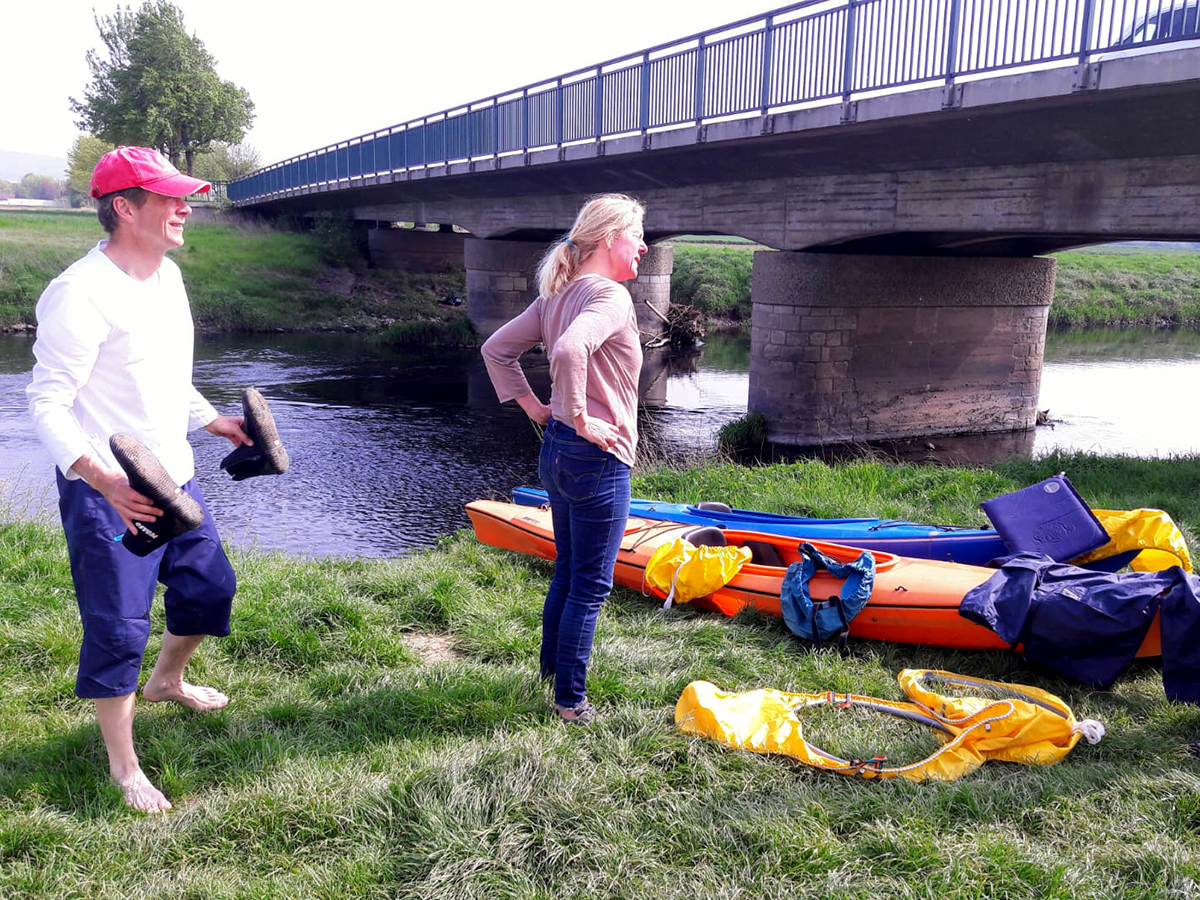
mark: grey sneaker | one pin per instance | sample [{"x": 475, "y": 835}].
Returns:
[{"x": 580, "y": 715}]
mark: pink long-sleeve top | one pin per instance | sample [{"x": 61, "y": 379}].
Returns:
[{"x": 589, "y": 330}]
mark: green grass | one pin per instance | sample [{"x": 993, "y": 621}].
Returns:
[
  {"x": 33, "y": 244},
  {"x": 1127, "y": 286},
  {"x": 720, "y": 240},
  {"x": 715, "y": 280},
  {"x": 456, "y": 332},
  {"x": 744, "y": 435},
  {"x": 241, "y": 276},
  {"x": 349, "y": 765}
]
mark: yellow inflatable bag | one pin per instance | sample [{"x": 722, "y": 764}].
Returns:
[
  {"x": 680, "y": 571},
  {"x": 1150, "y": 530},
  {"x": 980, "y": 720}
]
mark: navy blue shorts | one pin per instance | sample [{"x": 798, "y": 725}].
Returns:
[{"x": 114, "y": 588}]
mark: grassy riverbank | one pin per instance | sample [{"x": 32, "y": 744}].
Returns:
[
  {"x": 389, "y": 738},
  {"x": 1122, "y": 286},
  {"x": 715, "y": 280},
  {"x": 1115, "y": 286},
  {"x": 240, "y": 276}
]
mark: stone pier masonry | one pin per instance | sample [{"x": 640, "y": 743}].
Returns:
[
  {"x": 858, "y": 348},
  {"x": 651, "y": 290},
  {"x": 501, "y": 280}
]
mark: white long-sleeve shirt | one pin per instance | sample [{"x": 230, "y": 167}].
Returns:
[{"x": 114, "y": 354}]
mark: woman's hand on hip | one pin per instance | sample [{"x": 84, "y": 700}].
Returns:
[
  {"x": 602, "y": 434},
  {"x": 534, "y": 408}
]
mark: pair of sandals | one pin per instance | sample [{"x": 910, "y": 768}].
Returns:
[{"x": 181, "y": 512}]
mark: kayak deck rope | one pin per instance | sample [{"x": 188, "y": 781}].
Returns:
[
  {"x": 904, "y": 523},
  {"x": 643, "y": 533},
  {"x": 876, "y": 764}
]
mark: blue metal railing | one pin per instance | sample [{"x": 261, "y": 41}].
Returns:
[{"x": 809, "y": 52}]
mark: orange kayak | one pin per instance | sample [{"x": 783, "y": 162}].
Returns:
[{"x": 913, "y": 601}]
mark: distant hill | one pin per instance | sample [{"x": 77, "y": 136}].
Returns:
[{"x": 14, "y": 165}]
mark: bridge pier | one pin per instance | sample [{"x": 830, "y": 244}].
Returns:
[
  {"x": 862, "y": 348},
  {"x": 502, "y": 281},
  {"x": 651, "y": 290},
  {"x": 415, "y": 250}
]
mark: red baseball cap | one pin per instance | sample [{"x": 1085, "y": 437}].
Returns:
[{"x": 142, "y": 167}]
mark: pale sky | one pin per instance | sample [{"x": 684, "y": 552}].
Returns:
[{"x": 322, "y": 72}]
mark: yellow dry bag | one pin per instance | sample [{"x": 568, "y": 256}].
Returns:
[{"x": 681, "y": 571}]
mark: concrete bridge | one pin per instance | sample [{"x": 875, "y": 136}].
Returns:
[{"x": 910, "y": 159}]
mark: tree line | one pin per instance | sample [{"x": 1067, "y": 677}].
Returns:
[
  {"x": 32, "y": 187},
  {"x": 154, "y": 84}
]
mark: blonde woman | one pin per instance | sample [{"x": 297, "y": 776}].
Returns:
[{"x": 584, "y": 316}]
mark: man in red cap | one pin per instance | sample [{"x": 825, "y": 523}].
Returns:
[{"x": 114, "y": 355}]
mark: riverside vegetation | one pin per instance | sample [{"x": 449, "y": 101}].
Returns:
[
  {"x": 251, "y": 277},
  {"x": 389, "y": 737},
  {"x": 244, "y": 276}
]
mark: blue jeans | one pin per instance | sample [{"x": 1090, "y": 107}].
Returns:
[{"x": 589, "y": 502}]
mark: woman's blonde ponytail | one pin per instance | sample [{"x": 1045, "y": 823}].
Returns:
[{"x": 601, "y": 219}]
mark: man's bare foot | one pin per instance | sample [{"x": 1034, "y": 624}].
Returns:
[
  {"x": 193, "y": 696},
  {"x": 140, "y": 794}
]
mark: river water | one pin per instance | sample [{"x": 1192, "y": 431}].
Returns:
[
  {"x": 387, "y": 446},
  {"x": 1121, "y": 392}
]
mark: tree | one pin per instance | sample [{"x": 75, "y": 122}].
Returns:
[
  {"x": 7, "y": 189},
  {"x": 158, "y": 87},
  {"x": 225, "y": 162},
  {"x": 81, "y": 160},
  {"x": 39, "y": 187}
]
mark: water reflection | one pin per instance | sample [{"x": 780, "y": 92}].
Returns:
[
  {"x": 1109, "y": 344},
  {"x": 691, "y": 395}
]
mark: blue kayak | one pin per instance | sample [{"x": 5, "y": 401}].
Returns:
[
  {"x": 976, "y": 546},
  {"x": 955, "y": 543}
]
